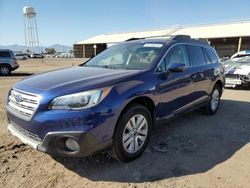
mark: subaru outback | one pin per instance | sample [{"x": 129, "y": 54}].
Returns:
[{"x": 114, "y": 101}]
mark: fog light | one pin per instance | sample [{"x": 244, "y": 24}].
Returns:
[{"x": 72, "y": 145}]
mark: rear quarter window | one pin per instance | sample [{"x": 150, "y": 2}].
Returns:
[
  {"x": 4, "y": 54},
  {"x": 212, "y": 55},
  {"x": 196, "y": 55},
  {"x": 208, "y": 59}
]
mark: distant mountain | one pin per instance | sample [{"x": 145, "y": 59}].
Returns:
[
  {"x": 14, "y": 47},
  {"x": 18, "y": 48},
  {"x": 61, "y": 48}
]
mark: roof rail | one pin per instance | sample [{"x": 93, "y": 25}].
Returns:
[
  {"x": 149, "y": 37},
  {"x": 171, "y": 37},
  {"x": 179, "y": 37},
  {"x": 133, "y": 39},
  {"x": 202, "y": 40}
]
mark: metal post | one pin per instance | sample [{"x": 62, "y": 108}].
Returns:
[
  {"x": 239, "y": 44},
  {"x": 31, "y": 35},
  {"x": 83, "y": 49},
  {"x": 95, "y": 49},
  {"x": 25, "y": 32},
  {"x": 37, "y": 39}
]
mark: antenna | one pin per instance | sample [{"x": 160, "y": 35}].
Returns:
[{"x": 30, "y": 29}]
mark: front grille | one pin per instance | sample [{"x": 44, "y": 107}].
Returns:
[
  {"x": 23, "y": 104},
  {"x": 238, "y": 77},
  {"x": 233, "y": 76},
  {"x": 26, "y": 132}
]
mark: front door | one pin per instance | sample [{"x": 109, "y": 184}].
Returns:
[{"x": 175, "y": 88}]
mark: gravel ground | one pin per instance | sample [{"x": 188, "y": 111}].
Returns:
[{"x": 194, "y": 150}]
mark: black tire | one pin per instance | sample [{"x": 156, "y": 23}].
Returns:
[
  {"x": 209, "y": 109},
  {"x": 118, "y": 150},
  {"x": 5, "y": 70}
]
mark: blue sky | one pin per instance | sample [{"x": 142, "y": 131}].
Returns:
[{"x": 68, "y": 21}]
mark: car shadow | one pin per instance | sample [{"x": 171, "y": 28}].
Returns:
[
  {"x": 190, "y": 144},
  {"x": 239, "y": 88},
  {"x": 14, "y": 74}
]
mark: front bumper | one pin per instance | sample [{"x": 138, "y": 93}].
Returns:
[
  {"x": 234, "y": 82},
  {"x": 24, "y": 136},
  {"x": 230, "y": 82},
  {"x": 54, "y": 142}
]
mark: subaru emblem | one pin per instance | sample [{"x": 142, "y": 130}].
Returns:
[{"x": 18, "y": 98}]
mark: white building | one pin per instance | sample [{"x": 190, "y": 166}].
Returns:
[{"x": 227, "y": 38}]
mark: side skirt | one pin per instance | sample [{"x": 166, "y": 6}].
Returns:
[{"x": 186, "y": 110}]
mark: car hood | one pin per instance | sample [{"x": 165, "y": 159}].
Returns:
[
  {"x": 238, "y": 68},
  {"x": 74, "y": 79}
]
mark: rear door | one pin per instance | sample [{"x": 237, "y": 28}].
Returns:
[
  {"x": 202, "y": 76},
  {"x": 214, "y": 68}
]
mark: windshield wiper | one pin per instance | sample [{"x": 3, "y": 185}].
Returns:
[{"x": 109, "y": 67}]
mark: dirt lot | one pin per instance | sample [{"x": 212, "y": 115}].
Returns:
[{"x": 191, "y": 151}]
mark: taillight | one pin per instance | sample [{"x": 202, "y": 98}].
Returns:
[{"x": 15, "y": 61}]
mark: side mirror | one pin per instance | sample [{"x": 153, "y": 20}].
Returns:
[{"x": 177, "y": 67}]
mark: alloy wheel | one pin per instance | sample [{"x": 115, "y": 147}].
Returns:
[
  {"x": 215, "y": 99},
  {"x": 135, "y": 133}
]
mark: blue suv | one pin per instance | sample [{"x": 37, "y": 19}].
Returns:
[{"x": 115, "y": 100}]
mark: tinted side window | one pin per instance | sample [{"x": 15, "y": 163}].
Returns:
[
  {"x": 177, "y": 54},
  {"x": 212, "y": 55},
  {"x": 196, "y": 55},
  {"x": 4, "y": 54},
  {"x": 208, "y": 60}
]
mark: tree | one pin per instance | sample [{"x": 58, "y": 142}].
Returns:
[{"x": 50, "y": 50}]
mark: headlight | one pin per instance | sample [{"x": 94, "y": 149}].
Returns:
[{"x": 80, "y": 100}]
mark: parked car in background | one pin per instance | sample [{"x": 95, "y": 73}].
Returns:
[
  {"x": 36, "y": 56},
  {"x": 225, "y": 58},
  {"x": 21, "y": 56},
  {"x": 7, "y": 62},
  {"x": 27, "y": 54},
  {"x": 115, "y": 99},
  {"x": 50, "y": 55},
  {"x": 241, "y": 54},
  {"x": 66, "y": 55},
  {"x": 237, "y": 72},
  {"x": 63, "y": 55}
]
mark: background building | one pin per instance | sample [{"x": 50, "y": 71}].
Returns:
[{"x": 227, "y": 38}]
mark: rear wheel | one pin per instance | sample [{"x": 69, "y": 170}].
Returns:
[
  {"x": 132, "y": 133},
  {"x": 214, "y": 101},
  {"x": 5, "y": 70}
]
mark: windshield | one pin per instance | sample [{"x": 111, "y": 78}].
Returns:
[{"x": 134, "y": 56}]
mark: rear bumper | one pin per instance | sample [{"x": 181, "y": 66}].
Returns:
[
  {"x": 54, "y": 142},
  {"x": 16, "y": 66}
]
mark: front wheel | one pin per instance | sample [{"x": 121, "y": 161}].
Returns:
[
  {"x": 214, "y": 101},
  {"x": 132, "y": 133}
]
